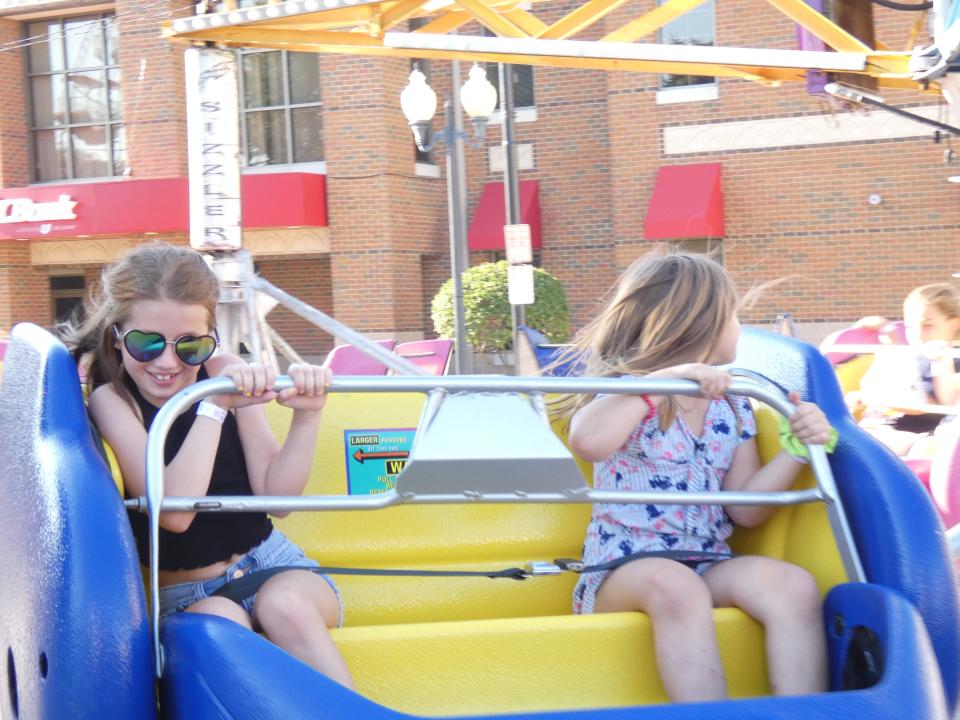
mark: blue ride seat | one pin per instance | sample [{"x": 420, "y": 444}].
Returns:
[
  {"x": 901, "y": 536},
  {"x": 73, "y": 619},
  {"x": 547, "y": 353}
]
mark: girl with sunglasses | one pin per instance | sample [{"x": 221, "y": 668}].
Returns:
[{"x": 151, "y": 334}]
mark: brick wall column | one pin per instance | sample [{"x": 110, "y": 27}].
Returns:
[
  {"x": 154, "y": 104},
  {"x": 23, "y": 295},
  {"x": 382, "y": 217},
  {"x": 14, "y": 127},
  {"x": 24, "y": 289}
]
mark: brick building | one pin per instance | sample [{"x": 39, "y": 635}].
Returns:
[{"x": 849, "y": 209}]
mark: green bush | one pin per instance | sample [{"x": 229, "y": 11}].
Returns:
[{"x": 487, "y": 309}]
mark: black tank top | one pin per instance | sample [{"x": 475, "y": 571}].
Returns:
[{"x": 211, "y": 537}]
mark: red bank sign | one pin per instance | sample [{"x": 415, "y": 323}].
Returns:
[
  {"x": 134, "y": 207},
  {"x": 25, "y": 210}
]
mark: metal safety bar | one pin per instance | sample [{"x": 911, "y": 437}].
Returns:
[
  {"x": 436, "y": 387},
  {"x": 868, "y": 349},
  {"x": 395, "y": 362},
  {"x": 881, "y": 349}
]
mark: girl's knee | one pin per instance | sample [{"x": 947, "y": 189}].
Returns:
[
  {"x": 675, "y": 591},
  {"x": 222, "y": 607},
  {"x": 301, "y": 600},
  {"x": 794, "y": 592}
]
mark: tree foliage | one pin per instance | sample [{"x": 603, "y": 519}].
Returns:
[{"x": 487, "y": 308}]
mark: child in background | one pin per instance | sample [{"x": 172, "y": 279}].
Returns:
[
  {"x": 674, "y": 316},
  {"x": 897, "y": 380},
  {"x": 151, "y": 335}
]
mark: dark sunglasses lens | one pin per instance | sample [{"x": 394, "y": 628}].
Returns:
[
  {"x": 194, "y": 350},
  {"x": 144, "y": 347}
]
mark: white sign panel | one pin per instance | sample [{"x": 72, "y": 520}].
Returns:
[
  {"x": 520, "y": 284},
  {"x": 516, "y": 241},
  {"x": 213, "y": 147}
]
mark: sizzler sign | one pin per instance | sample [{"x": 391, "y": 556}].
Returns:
[{"x": 22, "y": 210}]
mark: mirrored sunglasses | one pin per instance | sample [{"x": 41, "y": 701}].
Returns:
[{"x": 147, "y": 346}]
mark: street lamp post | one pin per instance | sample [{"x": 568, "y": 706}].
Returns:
[
  {"x": 419, "y": 103},
  {"x": 511, "y": 189}
]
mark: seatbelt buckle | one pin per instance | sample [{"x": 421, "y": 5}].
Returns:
[
  {"x": 540, "y": 567},
  {"x": 570, "y": 564}
]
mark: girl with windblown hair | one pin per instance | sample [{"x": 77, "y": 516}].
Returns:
[{"x": 675, "y": 316}]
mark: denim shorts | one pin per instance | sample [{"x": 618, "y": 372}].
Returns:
[{"x": 276, "y": 551}]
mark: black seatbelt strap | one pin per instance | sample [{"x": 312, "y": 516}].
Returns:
[
  {"x": 241, "y": 588},
  {"x": 691, "y": 559}
]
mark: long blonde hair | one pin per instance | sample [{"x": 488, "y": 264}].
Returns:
[
  {"x": 666, "y": 309},
  {"x": 156, "y": 271}
]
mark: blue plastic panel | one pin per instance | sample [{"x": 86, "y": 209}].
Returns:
[
  {"x": 894, "y": 522},
  {"x": 73, "y": 623},
  {"x": 216, "y": 669}
]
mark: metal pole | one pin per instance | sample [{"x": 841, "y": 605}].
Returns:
[
  {"x": 511, "y": 182},
  {"x": 454, "y": 209},
  {"x": 462, "y": 357},
  {"x": 335, "y": 327},
  {"x": 511, "y": 185}
]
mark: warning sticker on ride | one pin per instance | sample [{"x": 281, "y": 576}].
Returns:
[{"x": 375, "y": 458}]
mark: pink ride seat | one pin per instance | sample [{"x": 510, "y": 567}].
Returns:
[
  {"x": 895, "y": 332},
  {"x": 921, "y": 468},
  {"x": 945, "y": 473},
  {"x": 892, "y": 333},
  {"x": 849, "y": 336},
  {"x": 431, "y": 355},
  {"x": 348, "y": 360}
]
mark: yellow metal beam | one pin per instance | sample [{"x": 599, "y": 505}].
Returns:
[
  {"x": 890, "y": 68},
  {"x": 490, "y": 18},
  {"x": 330, "y": 19},
  {"x": 652, "y": 21},
  {"x": 526, "y": 21},
  {"x": 820, "y": 25},
  {"x": 398, "y": 12},
  {"x": 889, "y": 64},
  {"x": 584, "y": 16},
  {"x": 285, "y": 38},
  {"x": 445, "y": 23}
]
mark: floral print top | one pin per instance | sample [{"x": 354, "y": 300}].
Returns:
[{"x": 675, "y": 459}]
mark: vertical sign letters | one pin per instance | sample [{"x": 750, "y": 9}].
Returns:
[{"x": 213, "y": 147}]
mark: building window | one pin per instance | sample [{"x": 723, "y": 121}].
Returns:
[
  {"x": 74, "y": 85},
  {"x": 281, "y": 110},
  {"x": 426, "y": 157},
  {"x": 66, "y": 294},
  {"x": 706, "y": 246},
  {"x": 695, "y": 27},
  {"x": 523, "y": 93},
  {"x": 523, "y": 96},
  {"x": 423, "y": 158}
]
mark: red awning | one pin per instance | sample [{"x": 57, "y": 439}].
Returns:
[
  {"x": 687, "y": 202},
  {"x": 486, "y": 230}
]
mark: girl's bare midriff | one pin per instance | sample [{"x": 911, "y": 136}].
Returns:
[{"x": 175, "y": 577}]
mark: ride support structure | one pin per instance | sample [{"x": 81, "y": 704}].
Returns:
[{"x": 373, "y": 27}]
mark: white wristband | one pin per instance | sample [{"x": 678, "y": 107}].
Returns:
[{"x": 212, "y": 411}]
